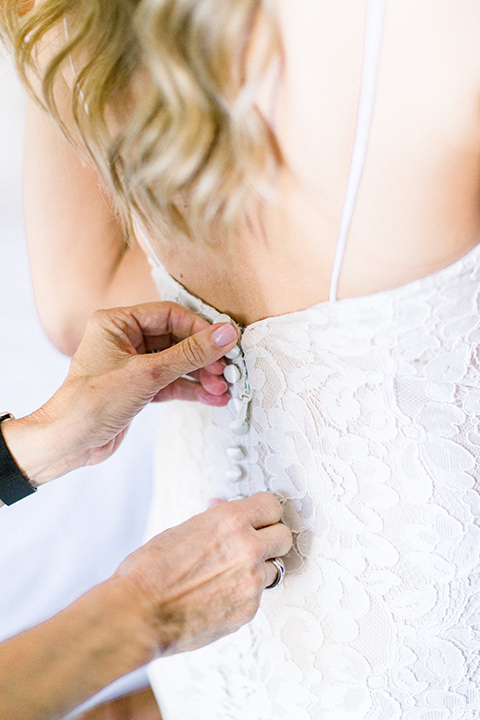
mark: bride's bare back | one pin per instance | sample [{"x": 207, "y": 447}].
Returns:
[{"x": 418, "y": 207}]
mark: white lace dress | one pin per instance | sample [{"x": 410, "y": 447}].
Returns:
[{"x": 364, "y": 414}]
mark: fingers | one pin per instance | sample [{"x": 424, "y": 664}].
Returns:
[
  {"x": 260, "y": 510},
  {"x": 156, "y": 320},
  {"x": 170, "y": 340},
  {"x": 213, "y": 383},
  {"x": 194, "y": 352},
  {"x": 276, "y": 539},
  {"x": 191, "y": 391},
  {"x": 264, "y": 512},
  {"x": 217, "y": 367},
  {"x": 149, "y": 326},
  {"x": 164, "y": 318},
  {"x": 256, "y": 548}
]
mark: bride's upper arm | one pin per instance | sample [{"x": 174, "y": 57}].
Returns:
[{"x": 80, "y": 257}]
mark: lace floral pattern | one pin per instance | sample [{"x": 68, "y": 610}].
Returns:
[{"x": 365, "y": 416}]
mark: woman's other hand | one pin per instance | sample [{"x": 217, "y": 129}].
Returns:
[
  {"x": 128, "y": 358},
  {"x": 203, "y": 579}
]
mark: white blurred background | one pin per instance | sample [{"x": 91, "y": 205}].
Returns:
[{"x": 74, "y": 532}]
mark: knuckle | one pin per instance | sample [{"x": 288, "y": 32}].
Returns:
[
  {"x": 252, "y": 584},
  {"x": 270, "y": 506},
  {"x": 258, "y": 579},
  {"x": 223, "y": 527},
  {"x": 284, "y": 538},
  {"x": 250, "y": 551},
  {"x": 97, "y": 318},
  {"x": 168, "y": 306},
  {"x": 193, "y": 351},
  {"x": 227, "y": 517}
]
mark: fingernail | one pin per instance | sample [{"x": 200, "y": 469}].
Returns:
[
  {"x": 215, "y": 501},
  {"x": 214, "y": 400},
  {"x": 224, "y": 334}
]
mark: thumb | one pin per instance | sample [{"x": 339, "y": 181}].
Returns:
[{"x": 193, "y": 353}]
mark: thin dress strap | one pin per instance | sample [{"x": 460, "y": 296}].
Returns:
[
  {"x": 148, "y": 245},
  {"x": 371, "y": 56}
]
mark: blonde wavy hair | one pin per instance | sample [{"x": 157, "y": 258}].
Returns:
[{"x": 162, "y": 98}]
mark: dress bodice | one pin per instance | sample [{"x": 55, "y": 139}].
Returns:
[{"x": 364, "y": 414}]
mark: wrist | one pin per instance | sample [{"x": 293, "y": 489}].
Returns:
[
  {"x": 37, "y": 445},
  {"x": 163, "y": 621},
  {"x": 113, "y": 628},
  {"x": 14, "y": 485}
]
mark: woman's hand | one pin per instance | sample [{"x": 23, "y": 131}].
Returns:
[
  {"x": 204, "y": 579},
  {"x": 128, "y": 358},
  {"x": 185, "y": 588}
]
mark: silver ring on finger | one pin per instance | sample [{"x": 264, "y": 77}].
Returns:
[{"x": 280, "y": 568}]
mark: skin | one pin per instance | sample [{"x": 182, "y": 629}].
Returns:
[{"x": 142, "y": 703}]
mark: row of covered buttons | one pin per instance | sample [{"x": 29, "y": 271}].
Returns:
[{"x": 235, "y": 375}]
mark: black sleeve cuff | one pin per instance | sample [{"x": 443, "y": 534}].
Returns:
[{"x": 14, "y": 485}]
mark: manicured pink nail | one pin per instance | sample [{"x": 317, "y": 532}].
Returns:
[{"x": 224, "y": 334}]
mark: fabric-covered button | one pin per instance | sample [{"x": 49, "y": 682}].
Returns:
[
  {"x": 232, "y": 374},
  {"x": 235, "y": 453},
  {"x": 235, "y": 473},
  {"x": 234, "y": 405},
  {"x": 223, "y": 318},
  {"x": 234, "y": 353},
  {"x": 238, "y": 427}
]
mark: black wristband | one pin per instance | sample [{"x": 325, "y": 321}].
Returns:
[{"x": 14, "y": 485}]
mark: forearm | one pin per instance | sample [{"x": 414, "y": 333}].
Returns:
[
  {"x": 41, "y": 446},
  {"x": 47, "y": 671}
]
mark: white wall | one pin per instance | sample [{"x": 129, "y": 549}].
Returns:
[{"x": 72, "y": 533}]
